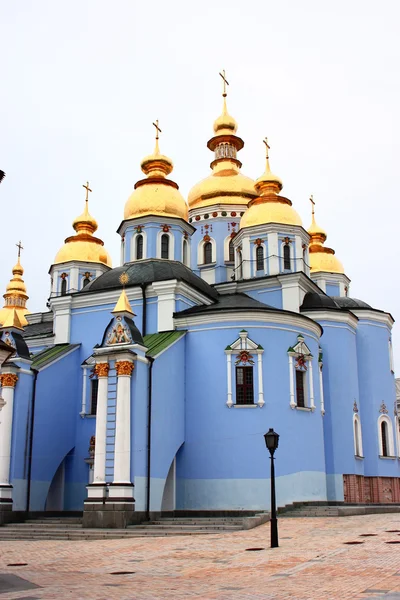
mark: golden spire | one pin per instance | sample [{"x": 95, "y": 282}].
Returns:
[
  {"x": 123, "y": 305},
  {"x": 225, "y": 124},
  {"x": 157, "y": 165},
  {"x": 12, "y": 320},
  {"x": 84, "y": 246},
  {"x": 322, "y": 258},
  {"x": 15, "y": 296},
  {"x": 268, "y": 183}
]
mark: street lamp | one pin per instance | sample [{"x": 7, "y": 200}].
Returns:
[{"x": 272, "y": 441}]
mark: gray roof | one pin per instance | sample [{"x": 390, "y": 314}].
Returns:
[
  {"x": 38, "y": 330},
  {"x": 228, "y": 302},
  {"x": 147, "y": 271}
]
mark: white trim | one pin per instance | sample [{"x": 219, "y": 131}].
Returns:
[
  {"x": 311, "y": 385},
  {"x": 321, "y": 388},
  {"x": 347, "y": 318},
  {"x": 357, "y": 435},
  {"x": 188, "y": 248},
  {"x": 261, "y": 401},
  {"x": 133, "y": 253},
  {"x": 200, "y": 252},
  {"x": 229, "y": 401},
  {"x": 84, "y": 388},
  {"x": 372, "y": 315},
  {"x": 227, "y": 241},
  {"x": 265, "y": 265},
  {"x": 397, "y": 428},
  {"x": 390, "y": 449},
  {"x": 291, "y": 383}
]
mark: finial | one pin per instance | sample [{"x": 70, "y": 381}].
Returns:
[
  {"x": 123, "y": 279},
  {"x": 123, "y": 305},
  {"x": 158, "y": 131},
  {"x": 312, "y": 205},
  {"x": 20, "y": 247},
  {"x": 226, "y": 82},
  {"x": 87, "y": 188},
  {"x": 265, "y": 140}
]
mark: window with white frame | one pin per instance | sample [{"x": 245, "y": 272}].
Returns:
[
  {"x": 385, "y": 436},
  {"x": 206, "y": 251},
  {"x": 94, "y": 389},
  {"x": 139, "y": 247},
  {"x": 301, "y": 383},
  {"x": 165, "y": 245},
  {"x": 286, "y": 257},
  {"x": 260, "y": 258},
  {"x": 357, "y": 435},
  {"x": 244, "y": 377},
  {"x": 185, "y": 252}
]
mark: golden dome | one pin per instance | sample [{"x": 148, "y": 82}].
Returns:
[
  {"x": 84, "y": 246},
  {"x": 269, "y": 207},
  {"x": 15, "y": 297},
  {"x": 226, "y": 184},
  {"x": 322, "y": 258},
  {"x": 156, "y": 195}
]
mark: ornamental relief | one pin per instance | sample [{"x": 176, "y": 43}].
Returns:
[
  {"x": 8, "y": 380},
  {"x": 124, "y": 367},
  {"x": 101, "y": 369}
]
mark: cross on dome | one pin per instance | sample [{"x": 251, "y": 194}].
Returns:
[
  {"x": 226, "y": 82},
  {"x": 87, "y": 188},
  {"x": 268, "y": 147},
  {"x": 20, "y": 247}
]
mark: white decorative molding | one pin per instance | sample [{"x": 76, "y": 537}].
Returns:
[
  {"x": 132, "y": 253},
  {"x": 321, "y": 386},
  {"x": 390, "y": 441},
  {"x": 229, "y": 401},
  {"x": 171, "y": 246},
  {"x": 244, "y": 345},
  {"x": 299, "y": 355},
  {"x": 200, "y": 251},
  {"x": 357, "y": 434}
]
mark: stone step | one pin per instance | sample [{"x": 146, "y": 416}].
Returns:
[
  {"x": 172, "y": 528},
  {"x": 62, "y": 520},
  {"x": 196, "y": 521},
  {"x": 28, "y": 525},
  {"x": 97, "y": 535}
]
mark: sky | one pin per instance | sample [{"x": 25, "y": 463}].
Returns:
[{"x": 81, "y": 82}]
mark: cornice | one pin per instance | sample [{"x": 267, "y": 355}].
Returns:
[
  {"x": 265, "y": 229},
  {"x": 374, "y": 315},
  {"x": 336, "y": 316},
  {"x": 156, "y": 220}
]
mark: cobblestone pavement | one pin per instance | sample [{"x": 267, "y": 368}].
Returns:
[{"x": 315, "y": 560}]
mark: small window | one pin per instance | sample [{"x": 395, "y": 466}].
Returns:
[
  {"x": 165, "y": 246},
  {"x": 139, "y": 247},
  {"x": 231, "y": 257},
  {"x": 384, "y": 439},
  {"x": 185, "y": 252},
  {"x": 300, "y": 396},
  {"x": 86, "y": 281},
  {"x": 64, "y": 286},
  {"x": 244, "y": 385},
  {"x": 260, "y": 258},
  {"x": 286, "y": 257},
  {"x": 94, "y": 389},
  {"x": 207, "y": 253}
]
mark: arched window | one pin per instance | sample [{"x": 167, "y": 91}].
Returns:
[
  {"x": 286, "y": 257},
  {"x": 240, "y": 265},
  {"x": 185, "y": 252},
  {"x": 94, "y": 390},
  {"x": 207, "y": 252},
  {"x": 86, "y": 281},
  {"x": 165, "y": 246},
  {"x": 260, "y": 258},
  {"x": 231, "y": 257},
  {"x": 64, "y": 286},
  {"x": 384, "y": 439},
  {"x": 358, "y": 450},
  {"x": 300, "y": 389},
  {"x": 139, "y": 247}
]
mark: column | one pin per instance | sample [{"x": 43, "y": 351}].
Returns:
[
  {"x": 7, "y": 382},
  {"x": 311, "y": 382},
  {"x": 260, "y": 382},
  {"x": 321, "y": 388},
  {"x": 229, "y": 401},
  {"x": 273, "y": 254},
  {"x": 97, "y": 488},
  {"x": 122, "y": 486},
  {"x": 291, "y": 382}
]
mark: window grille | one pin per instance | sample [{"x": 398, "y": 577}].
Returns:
[
  {"x": 165, "y": 246},
  {"x": 244, "y": 385},
  {"x": 300, "y": 397},
  {"x": 139, "y": 247},
  {"x": 93, "y": 396},
  {"x": 260, "y": 258},
  {"x": 286, "y": 257},
  {"x": 207, "y": 253}
]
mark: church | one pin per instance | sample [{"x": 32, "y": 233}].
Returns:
[{"x": 146, "y": 387}]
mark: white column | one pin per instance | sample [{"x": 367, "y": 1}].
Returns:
[
  {"x": 311, "y": 383},
  {"x": 229, "y": 401},
  {"x": 273, "y": 254},
  {"x": 165, "y": 291},
  {"x": 246, "y": 256},
  {"x": 97, "y": 490},
  {"x": 84, "y": 388},
  {"x": 122, "y": 485},
  {"x": 8, "y": 382},
  {"x": 321, "y": 389},
  {"x": 260, "y": 382},
  {"x": 291, "y": 382},
  {"x": 74, "y": 279},
  {"x": 297, "y": 265}
]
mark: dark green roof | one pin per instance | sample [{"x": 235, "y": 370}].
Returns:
[
  {"x": 45, "y": 357},
  {"x": 157, "y": 342}
]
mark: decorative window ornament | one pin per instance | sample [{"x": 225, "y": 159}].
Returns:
[
  {"x": 206, "y": 238},
  {"x": 139, "y": 228},
  {"x": 355, "y": 407},
  {"x": 166, "y": 228},
  {"x": 383, "y": 409},
  {"x": 197, "y": 217},
  {"x": 287, "y": 240},
  {"x": 247, "y": 377},
  {"x": 185, "y": 235},
  {"x": 258, "y": 242},
  {"x": 215, "y": 214},
  {"x": 233, "y": 214}
]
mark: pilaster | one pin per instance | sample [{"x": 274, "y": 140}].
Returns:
[{"x": 8, "y": 381}]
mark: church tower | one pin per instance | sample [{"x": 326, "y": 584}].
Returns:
[
  {"x": 82, "y": 258},
  {"x": 155, "y": 221},
  {"x": 15, "y": 296},
  {"x": 217, "y": 202},
  {"x": 326, "y": 270},
  {"x": 272, "y": 240}
]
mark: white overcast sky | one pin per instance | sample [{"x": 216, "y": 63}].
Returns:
[{"x": 82, "y": 80}]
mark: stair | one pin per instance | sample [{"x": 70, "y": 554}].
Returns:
[
  {"x": 311, "y": 511},
  {"x": 342, "y": 510},
  {"x": 70, "y": 528}
]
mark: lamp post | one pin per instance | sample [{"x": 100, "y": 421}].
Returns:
[{"x": 272, "y": 441}]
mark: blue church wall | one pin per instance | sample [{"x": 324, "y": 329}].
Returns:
[
  {"x": 332, "y": 289},
  {"x": 271, "y": 296},
  {"x": 168, "y": 416},
  {"x": 340, "y": 384},
  {"x": 377, "y": 386},
  {"x": 20, "y": 439},
  {"x": 139, "y": 423},
  {"x": 58, "y": 397},
  {"x": 224, "y": 463},
  {"x": 77, "y": 471}
]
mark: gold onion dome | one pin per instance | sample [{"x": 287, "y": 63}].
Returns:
[
  {"x": 156, "y": 195},
  {"x": 84, "y": 246},
  {"x": 15, "y": 297},
  {"x": 269, "y": 206},
  {"x": 226, "y": 184},
  {"x": 322, "y": 258}
]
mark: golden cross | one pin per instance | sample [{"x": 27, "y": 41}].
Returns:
[
  {"x": 87, "y": 188},
  {"x": 265, "y": 140},
  {"x": 20, "y": 247},
  {"x": 158, "y": 130},
  {"x": 226, "y": 82},
  {"x": 312, "y": 204}
]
